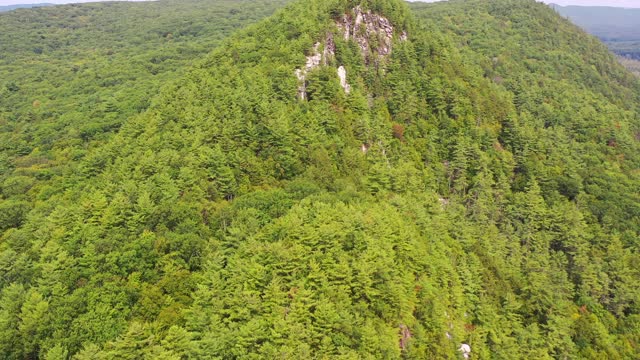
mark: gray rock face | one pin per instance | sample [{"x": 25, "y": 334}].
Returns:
[
  {"x": 373, "y": 34},
  {"x": 313, "y": 61},
  {"x": 465, "y": 349},
  {"x": 342, "y": 74}
]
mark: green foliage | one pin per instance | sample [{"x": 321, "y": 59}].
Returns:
[{"x": 477, "y": 185}]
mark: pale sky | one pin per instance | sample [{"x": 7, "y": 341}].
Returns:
[
  {"x": 618, "y": 3},
  {"x": 16, "y": 2},
  {"x": 615, "y": 3}
]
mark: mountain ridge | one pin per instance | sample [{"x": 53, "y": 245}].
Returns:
[
  {"x": 4, "y": 8},
  {"x": 617, "y": 27},
  {"x": 459, "y": 193}
]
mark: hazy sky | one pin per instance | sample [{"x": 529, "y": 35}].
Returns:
[
  {"x": 620, "y": 3},
  {"x": 15, "y": 2},
  {"x": 617, "y": 3}
]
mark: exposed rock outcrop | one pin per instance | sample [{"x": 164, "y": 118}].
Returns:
[
  {"x": 313, "y": 61},
  {"x": 465, "y": 349},
  {"x": 342, "y": 74},
  {"x": 329, "y": 49},
  {"x": 405, "y": 336},
  {"x": 372, "y": 32}
]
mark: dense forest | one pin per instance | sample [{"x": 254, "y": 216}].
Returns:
[
  {"x": 340, "y": 179},
  {"x": 71, "y": 75}
]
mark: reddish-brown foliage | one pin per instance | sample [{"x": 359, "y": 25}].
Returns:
[{"x": 398, "y": 132}]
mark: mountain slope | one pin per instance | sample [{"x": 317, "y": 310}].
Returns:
[
  {"x": 552, "y": 79},
  {"x": 617, "y": 27},
  {"x": 71, "y": 75},
  {"x": 22, "y": 6},
  {"x": 346, "y": 180},
  {"x": 607, "y": 23}
]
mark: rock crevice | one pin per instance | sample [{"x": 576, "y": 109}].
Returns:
[{"x": 372, "y": 32}]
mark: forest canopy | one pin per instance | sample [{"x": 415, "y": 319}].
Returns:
[{"x": 343, "y": 179}]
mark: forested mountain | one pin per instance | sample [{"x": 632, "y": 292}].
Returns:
[
  {"x": 22, "y": 6},
  {"x": 608, "y": 23},
  {"x": 618, "y": 27},
  {"x": 347, "y": 179},
  {"x": 71, "y": 75}
]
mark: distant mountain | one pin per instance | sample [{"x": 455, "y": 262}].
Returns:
[
  {"x": 22, "y": 6},
  {"x": 608, "y": 23},
  {"x": 618, "y": 27}
]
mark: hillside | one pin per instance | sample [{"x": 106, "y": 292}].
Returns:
[
  {"x": 4, "y": 8},
  {"x": 631, "y": 64},
  {"x": 617, "y": 27},
  {"x": 70, "y": 75},
  {"x": 347, "y": 179}
]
